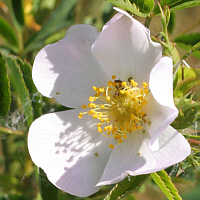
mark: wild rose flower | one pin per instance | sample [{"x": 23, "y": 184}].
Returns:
[{"x": 121, "y": 89}]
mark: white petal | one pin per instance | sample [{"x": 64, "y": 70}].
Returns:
[
  {"x": 67, "y": 70},
  {"x": 124, "y": 49},
  {"x": 70, "y": 151},
  {"x": 162, "y": 112},
  {"x": 134, "y": 157}
]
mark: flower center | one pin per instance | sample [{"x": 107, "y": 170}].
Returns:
[{"x": 118, "y": 107}]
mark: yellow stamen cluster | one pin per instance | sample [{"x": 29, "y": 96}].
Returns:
[{"x": 119, "y": 108}]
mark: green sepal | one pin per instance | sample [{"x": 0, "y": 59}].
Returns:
[
  {"x": 36, "y": 99},
  {"x": 169, "y": 48},
  {"x": 47, "y": 190},
  {"x": 163, "y": 180},
  {"x": 171, "y": 24},
  {"x": 60, "y": 19},
  {"x": 19, "y": 86},
  {"x": 131, "y": 6},
  {"x": 176, "y": 5},
  {"x": 5, "y": 97},
  {"x": 188, "y": 109},
  {"x": 127, "y": 186},
  {"x": 7, "y": 32}
]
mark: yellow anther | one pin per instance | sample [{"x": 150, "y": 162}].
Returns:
[
  {"x": 122, "y": 91},
  {"x": 136, "y": 120},
  {"x": 142, "y": 113},
  {"x": 109, "y": 132},
  {"x": 91, "y": 112},
  {"x": 113, "y": 132},
  {"x": 99, "y": 124},
  {"x": 105, "y": 128},
  {"x": 127, "y": 124},
  {"x": 100, "y": 114},
  {"x": 92, "y": 105},
  {"x": 101, "y": 89},
  {"x": 139, "y": 107},
  {"x": 134, "y": 84},
  {"x": 144, "y": 102},
  {"x": 97, "y": 95},
  {"x": 115, "y": 128},
  {"x": 94, "y": 88},
  {"x": 133, "y": 128},
  {"x": 113, "y": 77},
  {"x": 128, "y": 130},
  {"x": 139, "y": 127},
  {"x": 120, "y": 141},
  {"x": 137, "y": 110},
  {"x": 95, "y": 116},
  {"x": 121, "y": 128},
  {"x": 107, "y": 120},
  {"x": 108, "y": 98},
  {"x": 124, "y": 84},
  {"x": 109, "y": 89},
  {"x": 89, "y": 105},
  {"x": 117, "y": 136},
  {"x": 134, "y": 125},
  {"x": 124, "y": 136},
  {"x": 109, "y": 128},
  {"x": 111, "y": 146},
  {"x": 145, "y": 84},
  {"x": 100, "y": 130},
  {"x": 80, "y": 115},
  {"x": 127, "y": 92},
  {"x": 110, "y": 83},
  {"x": 91, "y": 99},
  {"x": 146, "y": 92},
  {"x": 84, "y": 106},
  {"x": 132, "y": 116},
  {"x": 104, "y": 94},
  {"x": 102, "y": 120},
  {"x": 102, "y": 106}
]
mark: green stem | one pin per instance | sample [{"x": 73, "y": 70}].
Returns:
[
  {"x": 147, "y": 21},
  {"x": 11, "y": 131}
]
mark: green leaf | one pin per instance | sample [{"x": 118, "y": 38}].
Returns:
[
  {"x": 18, "y": 12},
  {"x": 60, "y": 19},
  {"x": 47, "y": 190},
  {"x": 7, "y": 32},
  {"x": 5, "y": 97},
  {"x": 189, "y": 42},
  {"x": 163, "y": 180},
  {"x": 176, "y": 4},
  {"x": 45, "y": 7},
  {"x": 145, "y": 6},
  {"x": 140, "y": 8},
  {"x": 36, "y": 99},
  {"x": 18, "y": 84},
  {"x": 190, "y": 39},
  {"x": 126, "y": 186},
  {"x": 187, "y": 48}
]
